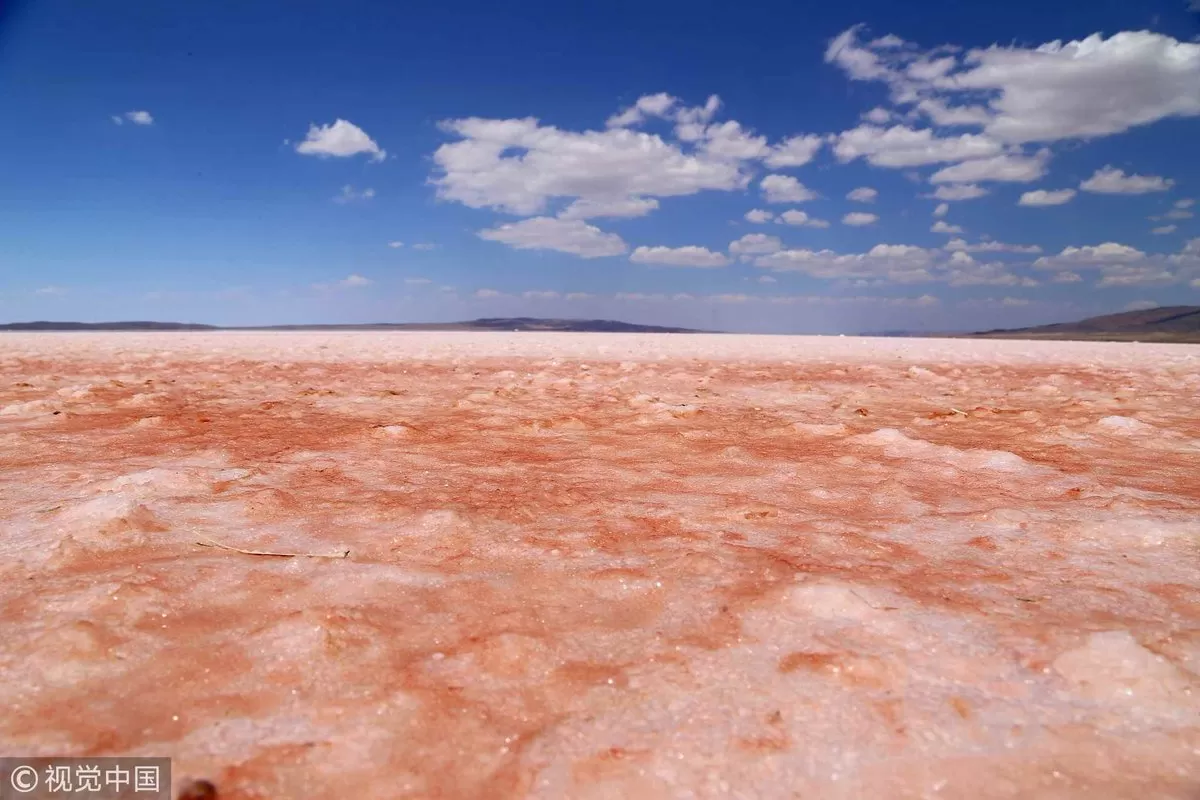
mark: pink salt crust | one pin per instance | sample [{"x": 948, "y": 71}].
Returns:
[{"x": 605, "y": 566}]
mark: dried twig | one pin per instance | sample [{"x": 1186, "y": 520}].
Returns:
[{"x": 210, "y": 543}]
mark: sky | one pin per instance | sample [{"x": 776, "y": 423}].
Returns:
[{"x": 781, "y": 167}]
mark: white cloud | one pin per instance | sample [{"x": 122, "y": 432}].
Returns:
[
  {"x": 395, "y": 244},
  {"x": 1164, "y": 229},
  {"x": 1141, "y": 305},
  {"x": 1044, "y": 197},
  {"x": 1110, "y": 180},
  {"x": 486, "y": 294},
  {"x": 566, "y": 236},
  {"x": 795, "y": 151},
  {"x": 941, "y": 226},
  {"x": 1118, "y": 264},
  {"x": 879, "y": 116},
  {"x": 1006, "y": 167},
  {"x": 540, "y": 295},
  {"x": 518, "y": 165},
  {"x": 1066, "y": 277},
  {"x": 785, "y": 189},
  {"x": 1091, "y": 256},
  {"x": 1186, "y": 202},
  {"x": 755, "y": 244},
  {"x": 1075, "y": 90},
  {"x": 136, "y": 117},
  {"x": 966, "y": 271},
  {"x": 1179, "y": 213},
  {"x": 728, "y": 141},
  {"x": 349, "y": 194},
  {"x": 799, "y": 218},
  {"x": 690, "y": 256},
  {"x": 418, "y": 281},
  {"x": 990, "y": 247},
  {"x": 340, "y": 139},
  {"x": 759, "y": 216},
  {"x": 650, "y": 105},
  {"x": 896, "y": 263},
  {"x": 50, "y": 290},
  {"x": 951, "y": 116},
  {"x": 621, "y": 207},
  {"x": 901, "y": 146},
  {"x": 1122, "y": 265},
  {"x": 580, "y": 296},
  {"x": 1087, "y": 88},
  {"x": 859, "y": 218},
  {"x": 942, "y": 208},
  {"x": 766, "y": 279},
  {"x": 964, "y": 191},
  {"x": 355, "y": 281},
  {"x": 863, "y": 194}
]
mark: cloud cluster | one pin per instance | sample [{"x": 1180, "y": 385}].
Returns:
[
  {"x": 136, "y": 117},
  {"x": 339, "y": 139},
  {"x": 564, "y": 235}
]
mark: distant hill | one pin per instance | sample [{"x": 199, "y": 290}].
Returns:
[
  {"x": 105, "y": 326},
  {"x": 1166, "y": 324},
  {"x": 489, "y": 324}
]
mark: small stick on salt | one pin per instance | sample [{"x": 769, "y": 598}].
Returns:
[{"x": 210, "y": 543}]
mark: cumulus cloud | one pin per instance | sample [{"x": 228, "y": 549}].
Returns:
[
  {"x": 901, "y": 146},
  {"x": 795, "y": 151},
  {"x": 942, "y": 209},
  {"x": 136, "y": 117},
  {"x": 799, "y": 218},
  {"x": 859, "y": 218},
  {"x": 340, "y": 139},
  {"x": 690, "y": 256},
  {"x": 355, "y": 281},
  {"x": 396, "y": 244},
  {"x": 519, "y": 165},
  {"x": 755, "y": 243},
  {"x": 1079, "y": 89},
  {"x": 989, "y": 246},
  {"x": 759, "y": 216},
  {"x": 620, "y": 207},
  {"x": 1007, "y": 167},
  {"x": 651, "y": 105},
  {"x": 486, "y": 294},
  {"x": 1122, "y": 265},
  {"x": 1164, "y": 229},
  {"x": 893, "y": 263},
  {"x": 350, "y": 195},
  {"x": 863, "y": 194},
  {"x": 566, "y": 236},
  {"x": 785, "y": 189},
  {"x": 963, "y": 191},
  {"x": 941, "y": 226},
  {"x": 1045, "y": 197},
  {"x": 1110, "y": 180},
  {"x": 540, "y": 295}
]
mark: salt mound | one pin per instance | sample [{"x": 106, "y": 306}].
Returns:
[
  {"x": 1124, "y": 426},
  {"x": 1112, "y": 666}
]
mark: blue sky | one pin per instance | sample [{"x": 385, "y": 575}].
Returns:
[{"x": 758, "y": 166}]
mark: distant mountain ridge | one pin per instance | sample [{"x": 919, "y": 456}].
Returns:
[
  {"x": 1163, "y": 324},
  {"x": 485, "y": 324}
]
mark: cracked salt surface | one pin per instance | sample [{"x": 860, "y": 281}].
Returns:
[{"x": 605, "y": 565}]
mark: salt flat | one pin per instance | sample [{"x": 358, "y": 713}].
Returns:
[{"x": 602, "y": 565}]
